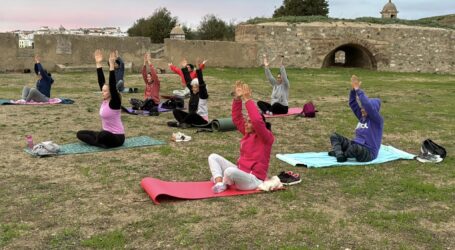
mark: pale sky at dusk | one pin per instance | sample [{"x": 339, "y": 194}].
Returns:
[{"x": 28, "y": 15}]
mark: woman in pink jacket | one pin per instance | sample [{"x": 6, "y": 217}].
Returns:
[{"x": 255, "y": 147}]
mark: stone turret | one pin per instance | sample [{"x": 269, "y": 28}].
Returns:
[
  {"x": 177, "y": 33},
  {"x": 389, "y": 11}
]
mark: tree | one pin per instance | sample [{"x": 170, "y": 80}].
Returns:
[
  {"x": 303, "y": 8},
  {"x": 157, "y": 27},
  {"x": 189, "y": 33},
  {"x": 213, "y": 28}
]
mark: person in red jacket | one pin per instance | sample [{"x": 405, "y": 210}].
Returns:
[
  {"x": 193, "y": 75},
  {"x": 152, "y": 88},
  {"x": 255, "y": 147}
]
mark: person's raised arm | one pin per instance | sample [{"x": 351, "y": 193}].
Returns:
[
  {"x": 237, "y": 116},
  {"x": 372, "y": 112},
  {"x": 115, "y": 101},
  {"x": 98, "y": 55},
  {"x": 202, "y": 86},
  {"x": 39, "y": 68},
  {"x": 255, "y": 117},
  {"x": 144, "y": 69},
  {"x": 268, "y": 73},
  {"x": 284, "y": 75},
  {"x": 152, "y": 70}
]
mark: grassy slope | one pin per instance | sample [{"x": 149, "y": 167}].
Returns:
[{"x": 95, "y": 200}]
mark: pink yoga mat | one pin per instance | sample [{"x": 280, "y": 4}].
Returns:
[
  {"x": 291, "y": 111},
  {"x": 157, "y": 189}
]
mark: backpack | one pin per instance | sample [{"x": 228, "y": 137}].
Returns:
[
  {"x": 430, "y": 147},
  {"x": 309, "y": 110},
  {"x": 45, "y": 148},
  {"x": 431, "y": 152}
]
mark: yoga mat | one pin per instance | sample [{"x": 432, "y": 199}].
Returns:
[
  {"x": 131, "y": 111},
  {"x": 223, "y": 124},
  {"x": 322, "y": 159},
  {"x": 158, "y": 189},
  {"x": 291, "y": 111},
  {"x": 81, "y": 148},
  {"x": 23, "y": 102}
]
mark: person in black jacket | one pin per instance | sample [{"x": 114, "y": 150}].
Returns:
[
  {"x": 42, "y": 92},
  {"x": 197, "y": 114}
]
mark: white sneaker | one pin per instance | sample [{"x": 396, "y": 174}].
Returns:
[
  {"x": 425, "y": 158},
  {"x": 219, "y": 187},
  {"x": 179, "y": 137}
]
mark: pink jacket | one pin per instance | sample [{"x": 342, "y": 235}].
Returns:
[{"x": 255, "y": 148}]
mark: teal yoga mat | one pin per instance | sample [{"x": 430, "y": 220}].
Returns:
[
  {"x": 322, "y": 159},
  {"x": 223, "y": 124},
  {"x": 82, "y": 148}
]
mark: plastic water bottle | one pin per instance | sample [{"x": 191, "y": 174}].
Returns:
[{"x": 29, "y": 141}]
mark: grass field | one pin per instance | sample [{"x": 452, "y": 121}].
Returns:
[{"x": 95, "y": 200}]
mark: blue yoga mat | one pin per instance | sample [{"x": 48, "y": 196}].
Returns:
[
  {"x": 81, "y": 148},
  {"x": 322, "y": 159}
]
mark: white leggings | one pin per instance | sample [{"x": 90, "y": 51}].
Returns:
[{"x": 231, "y": 174}]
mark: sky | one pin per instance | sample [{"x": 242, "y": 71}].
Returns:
[{"x": 32, "y": 14}]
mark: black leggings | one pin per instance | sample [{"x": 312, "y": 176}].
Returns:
[
  {"x": 103, "y": 139},
  {"x": 276, "y": 108},
  {"x": 342, "y": 146},
  {"x": 188, "y": 118}
]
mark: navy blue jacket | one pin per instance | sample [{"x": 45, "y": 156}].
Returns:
[{"x": 44, "y": 84}]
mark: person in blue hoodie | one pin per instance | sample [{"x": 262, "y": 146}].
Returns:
[
  {"x": 42, "y": 92},
  {"x": 368, "y": 133},
  {"x": 119, "y": 72}
]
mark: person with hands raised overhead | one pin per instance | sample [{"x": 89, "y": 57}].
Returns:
[
  {"x": 280, "y": 93},
  {"x": 192, "y": 73},
  {"x": 42, "y": 92},
  {"x": 368, "y": 133},
  {"x": 113, "y": 132},
  {"x": 255, "y": 147},
  {"x": 152, "y": 88},
  {"x": 119, "y": 72},
  {"x": 198, "y": 112}
]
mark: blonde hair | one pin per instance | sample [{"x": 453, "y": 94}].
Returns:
[{"x": 354, "y": 78}]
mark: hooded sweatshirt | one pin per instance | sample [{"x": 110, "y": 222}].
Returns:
[
  {"x": 120, "y": 71},
  {"x": 369, "y": 130},
  {"x": 280, "y": 92},
  {"x": 255, "y": 148},
  {"x": 43, "y": 85},
  {"x": 152, "y": 89}
]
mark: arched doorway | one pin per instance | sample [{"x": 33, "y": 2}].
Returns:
[{"x": 350, "y": 55}]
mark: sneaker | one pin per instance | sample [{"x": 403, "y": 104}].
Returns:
[
  {"x": 332, "y": 153},
  {"x": 173, "y": 124},
  {"x": 429, "y": 158},
  {"x": 341, "y": 158},
  {"x": 179, "y": 137},
  {"x": 289, "y": 178},
  {"x": 219, "y": 187},
  {"x": 135, "y": 90}
]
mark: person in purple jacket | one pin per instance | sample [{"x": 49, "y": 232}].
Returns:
[
  {"x": 113, "y": 132},
  {"x": 368, "y": 133},
  {"x": 42, "y": 92}
]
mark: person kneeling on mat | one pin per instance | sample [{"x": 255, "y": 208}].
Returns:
[
  {"x": 256, "y": 145},
  {"x": 42, "y": 92},
  {"x": 198, "y": 112},
  {"x": 368, "y": 133},
  {"x": 113, "y": 133},
  {"x": 280, "y": 92}
]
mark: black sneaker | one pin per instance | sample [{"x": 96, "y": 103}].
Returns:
[
  {"x": 173, "y": 124},
  {"x": 332, "y": 153},
  {"x": 341, "y": 158},
  {"x": 289, "y": 178}
]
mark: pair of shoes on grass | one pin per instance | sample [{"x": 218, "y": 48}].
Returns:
[
  {"x": 289, "y": 178},
  {"x": 180, "y": 137}
]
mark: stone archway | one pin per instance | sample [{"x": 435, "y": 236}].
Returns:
[{"x": 350, "y": 55}]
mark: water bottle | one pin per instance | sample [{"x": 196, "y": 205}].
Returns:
[{"x": 29, "y": 141}]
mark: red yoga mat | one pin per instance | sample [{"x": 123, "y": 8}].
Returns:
[
  {"x": 291, "y": 111},
  {"x": 157, "y": 189}
]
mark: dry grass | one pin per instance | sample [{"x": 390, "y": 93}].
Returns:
[{"x": 95, "y": 201}]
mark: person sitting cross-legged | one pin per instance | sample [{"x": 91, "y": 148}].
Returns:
[{"x": 368, "y": 133}]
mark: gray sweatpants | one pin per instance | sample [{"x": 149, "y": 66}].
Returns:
[
  {"x": 231, "y": 174},
  {"x": 32, "y": 94},
  {"x": 120, "y": 85}
]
